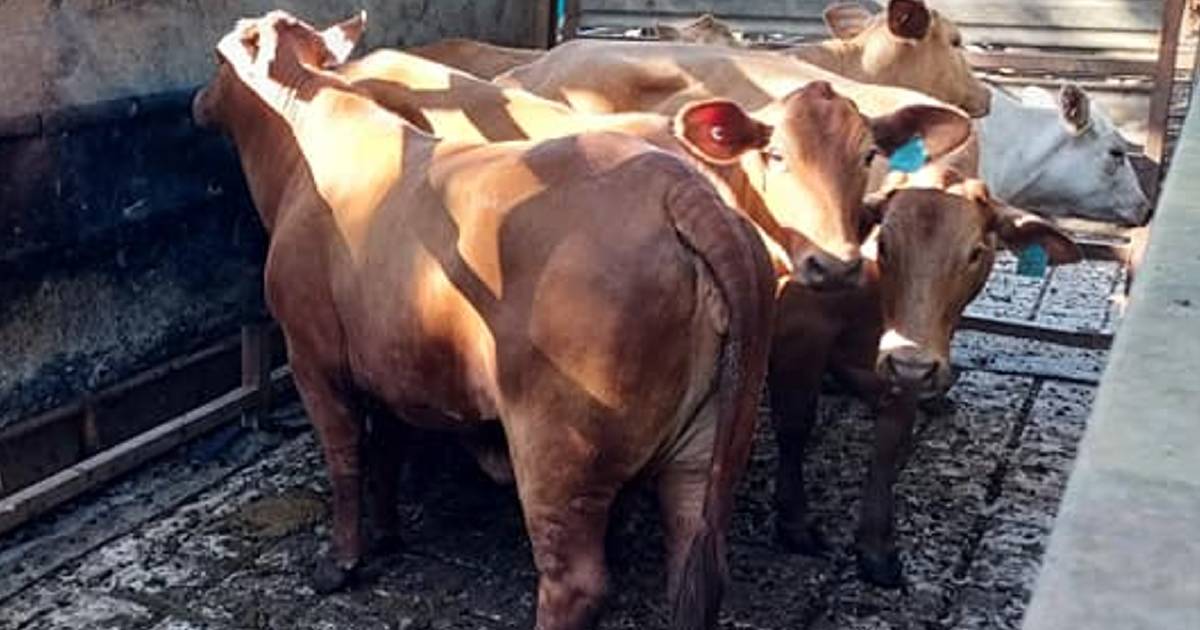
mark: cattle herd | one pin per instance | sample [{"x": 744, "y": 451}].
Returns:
[{"x": 586, "y": 262}]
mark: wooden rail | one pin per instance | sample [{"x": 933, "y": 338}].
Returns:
[
  {"x": 1024, "y": 330},
  {"x": 1164, "y": 78},
  {"x": 248, "y": 401},
  {"x": 37, "y": 447},
  {"x": 102, "y": 467}
]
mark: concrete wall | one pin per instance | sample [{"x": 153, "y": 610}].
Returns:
[
  {"x": 126, "y": 236},
  {"x": 60, "y": 53}
]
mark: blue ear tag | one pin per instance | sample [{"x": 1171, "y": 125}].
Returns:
[
  {"x": 909, "y": 157},
  {"x": 1032, "y": 261}
]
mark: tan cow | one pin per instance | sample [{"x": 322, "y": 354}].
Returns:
[
  {"x": 522, "y": 285},
  {"x": 891, "y": 340},
  {"x": 801, "y": 180},
  {"x": 481, "y": 59},
  {"x": 909, "y": 45}
]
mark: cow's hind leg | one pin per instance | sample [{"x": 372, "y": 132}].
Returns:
[
  {"x": 682, "y": 487},
  {"x": 566, "y": 498},
  {"x": 340, "y": 429},
  {"x": 568, "y": 550}
]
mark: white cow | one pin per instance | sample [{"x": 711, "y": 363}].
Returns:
[{"x": 1059, "y": 157}]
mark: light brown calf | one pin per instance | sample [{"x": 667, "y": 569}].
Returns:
[
  {"x": 801, "y": 180},
  {"x": 890, "y": 340},
  {"x": 521, "y": 285}
]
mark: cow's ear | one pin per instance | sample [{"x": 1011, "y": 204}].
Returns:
[
  {"x": 719, "y": 130},
  {"x": 908, "y": 19},
  {"x": 240, "y": 47},
  {"x": 1019, "y": 229},
  {"x": 846, "y": 20},
  {"x": 1075, "y": 107},
  {"x": 668, "y": 33},
  {"x": 942, "y": 129},
  {"x": 341, "y": 38}
]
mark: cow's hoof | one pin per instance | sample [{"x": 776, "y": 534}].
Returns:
[
  {"x": 804, "y": 538},
  {"x": 882, "y": 569},
  {"x": 330, "y": 577}
]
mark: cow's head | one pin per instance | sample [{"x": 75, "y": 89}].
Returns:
[
  {"x": 1085, "y": 167},
  {"x": 263, "y": 57},
  {"x": 910, "y": 46},
  {"x": 935, "y": 248},
  {"x": 804, "y": 177},
  {"x": 706, "y": 29}
]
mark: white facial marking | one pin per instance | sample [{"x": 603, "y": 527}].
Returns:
[{"x": 893, "y": 340}]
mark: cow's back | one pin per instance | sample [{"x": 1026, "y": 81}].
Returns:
[
  {"x": 525, "y": 267},
  {"x": 456, "y": 105},
  {"x": 605, "y": 77}
]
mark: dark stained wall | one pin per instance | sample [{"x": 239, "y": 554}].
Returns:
[{"x": 126, "y": 236}]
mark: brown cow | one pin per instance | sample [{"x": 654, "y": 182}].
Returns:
[
  {"x": 891, "y": 340},
  {"x": 801, "y": 180},
  {"x": 484, "y": 60},
  {"x": 459, "y": 286}
]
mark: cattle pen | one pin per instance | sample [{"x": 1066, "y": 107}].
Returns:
[{"x": 157, "y": 472}]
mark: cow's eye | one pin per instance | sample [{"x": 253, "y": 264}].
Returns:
[
  {"x": 1116, "y": 154},
  {"x": 869, "y": 156},
  {"x": 956, "y": 41},
  {"x": 776, "y": 160},
  {"x": 977, "y": 254}
]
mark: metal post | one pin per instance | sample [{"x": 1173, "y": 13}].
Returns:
[
  {"x": 89, "y": 429},
  {"x": 573, "y": 14},
  {"x": 545, "y": 21},
  {"x": 256, "y": 372},
  {"x": 1164, "y": 81}
]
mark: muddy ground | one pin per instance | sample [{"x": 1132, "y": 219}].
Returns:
[{"x": 223, "y": 533}]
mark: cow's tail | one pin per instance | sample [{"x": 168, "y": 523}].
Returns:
[{"x": 737, "y": 260}]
